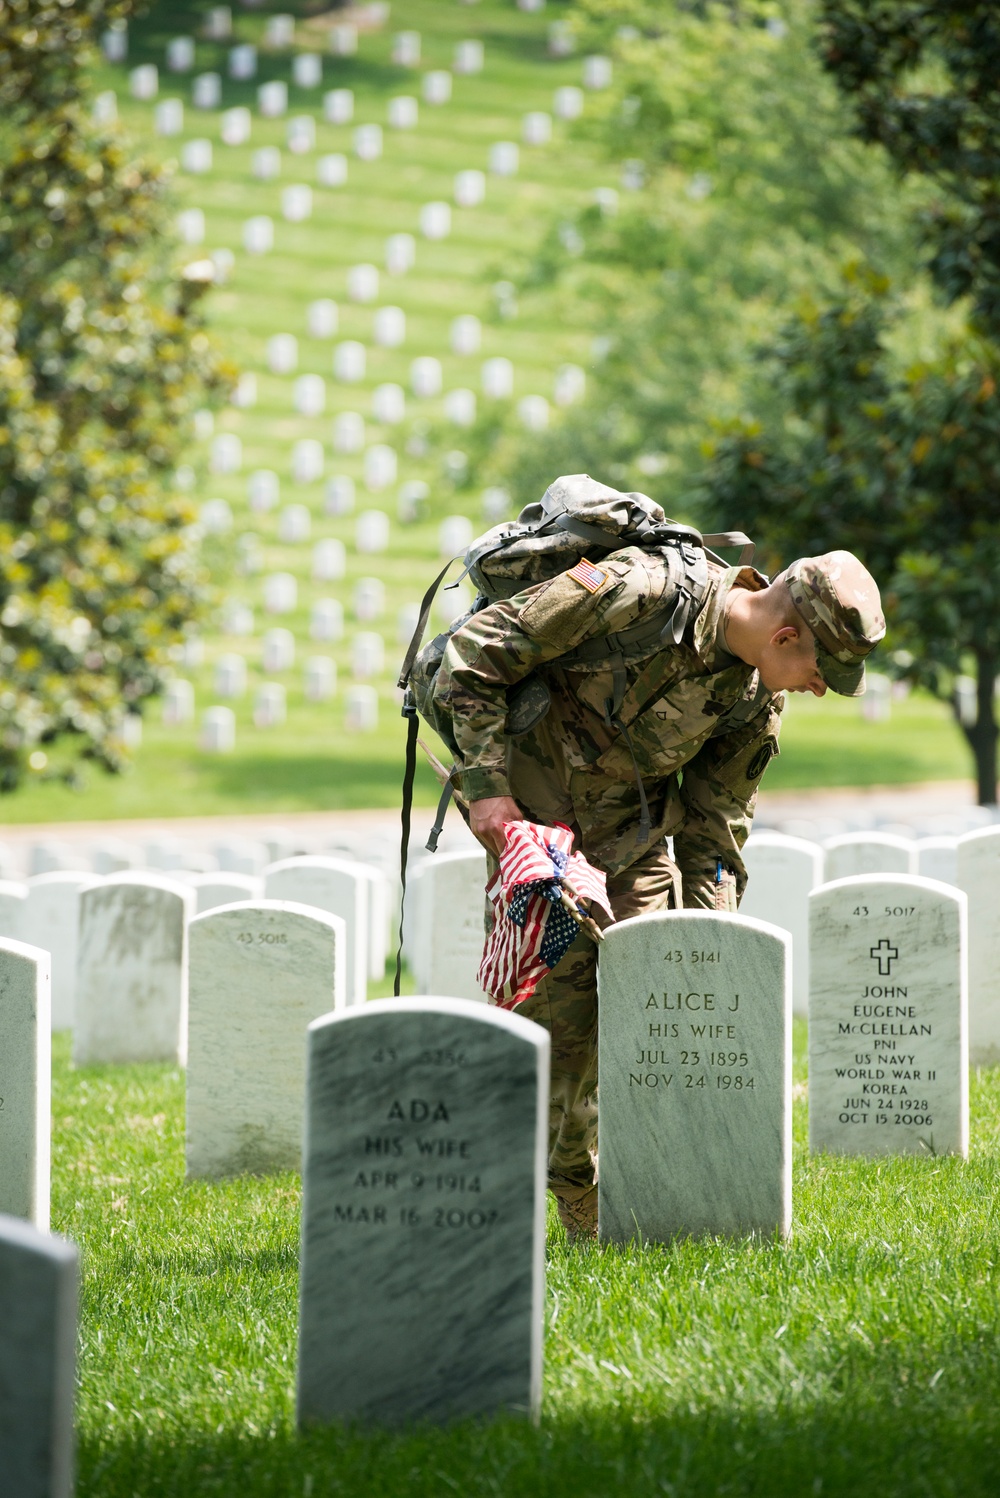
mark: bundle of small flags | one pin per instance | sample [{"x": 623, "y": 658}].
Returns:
[{"x": 538, "y": 904}]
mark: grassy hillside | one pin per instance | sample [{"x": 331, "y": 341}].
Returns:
[{"x": 313, "y": 760}]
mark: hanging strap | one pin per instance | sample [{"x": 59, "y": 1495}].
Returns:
[
  {"x": 410, "y": 764},
  {"x": 418, "y": 633},
  {"x": 447, "y": 791},
  {"x": 409, "y": 772}
]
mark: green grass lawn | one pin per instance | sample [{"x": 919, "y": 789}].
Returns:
[
  {"x": 862, "y": 1355},
  {"x": 307, "y": 766}
]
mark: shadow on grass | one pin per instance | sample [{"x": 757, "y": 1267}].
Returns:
[{"x": 916, "y": 1443}]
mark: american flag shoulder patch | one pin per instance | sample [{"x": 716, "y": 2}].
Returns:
[{"x": 588, "y": 576}]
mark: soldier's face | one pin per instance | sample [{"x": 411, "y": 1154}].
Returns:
[{"x": 788, "y": 663}]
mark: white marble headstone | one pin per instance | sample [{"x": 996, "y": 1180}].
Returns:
[
  {"x": 331, "y": 169},
  {"x": 888, "y": 1033},
  {"x": 329, "y": 560},
  {"x": 781, "y": 873},
  {"x": 13, "y": 907},
  {"x": 444, "y": 928},
  {"x": 25, "y": 1083},
  {"x": 307, "y": 460},
  {"x": 536, "y": 128},
  {"x": 322, "y": 318},
  {"x": 51, "y": 921},
  {"x": 218, "y": 730},
  {"x": 426, "y": 377},
  {"x": 348, "y": 432},
  {"x": 338, "y": 106},
  {"x": 260, "y": 973},
  {"x": 423, "y": 1216},
  {"x": 39, "y": 1275},
  {"x": 206, "y": 91},
  {"x": 435, "y": 220},
  {"x": 695, "y": 1119},
  {"x": 319, "y": 678},
  {"x": 371, "y": 532},
  {"x": 400, "y": 253},
  {"x": 327, "y": 620},
  {"x": 978, "y": 874},
  {"x": 361, "y": 709},
  {"x": 855, "y": 853},
  {"x": 505, "y": 158},
  {"x": 265, "y": 164},
  {"x": 498, "y": 378},
  {"x": 349, "y": 361},
  {"x": 338, "y": 886},
  {"x": 225, "y": 888},
  {"x": 388, "y": 405},
  {"x": 272, "y": 98},
  {"x": 937, "y": 858},
  {"x": 132, "y": 970},
  {"x": 436, "y": 86}
]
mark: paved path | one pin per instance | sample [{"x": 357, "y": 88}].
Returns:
[{"x": 946, "y": 806}]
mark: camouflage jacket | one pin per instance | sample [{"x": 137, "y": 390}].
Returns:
[{"x": 700, "y": 771}]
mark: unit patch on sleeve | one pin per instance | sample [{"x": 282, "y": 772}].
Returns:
[{"x": 588, "y": 576}]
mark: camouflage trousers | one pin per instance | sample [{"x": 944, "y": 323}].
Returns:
[{"x": 565, "y": 1004}]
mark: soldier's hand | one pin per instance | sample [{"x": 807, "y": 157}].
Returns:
[{"x": 486, "y": 818}]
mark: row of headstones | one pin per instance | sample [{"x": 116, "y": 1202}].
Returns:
[
  {"x": 264, "y": 492},
  {"x": 342, "y": 38},
  {"x": 443, "y": 939},
  {"x": 423, "y": 1214},
  {"x": 424, "y": 1160},
  {"x": 118, "y": 943},
  {"x": 783, "y": 871}
]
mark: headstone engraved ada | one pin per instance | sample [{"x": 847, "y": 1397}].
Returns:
[
  {"x": 423, "y": 1213},
  {"x": 888, "y": 1018},
  {"x": 259, "y": 974},
  {"x": 38, "y": 1299},
  {"x": 695, "y": 1066}
]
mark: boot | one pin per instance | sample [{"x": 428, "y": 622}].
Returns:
[{"x": 577, "y": 1207}]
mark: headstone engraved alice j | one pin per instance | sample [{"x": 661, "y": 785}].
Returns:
[
  {"x": 888, "y": 1017},
  {"x": 423, "y": 1213},
  {"x": 695, "y": 1064}
]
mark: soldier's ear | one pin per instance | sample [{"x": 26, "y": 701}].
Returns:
[{"x": 788, "y": 634}]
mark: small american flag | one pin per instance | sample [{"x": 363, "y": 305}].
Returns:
[
  {"x": 532, "y": 929},
  {"x": 589, "y": 576}
]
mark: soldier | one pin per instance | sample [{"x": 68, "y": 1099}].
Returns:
[{"x": 695, "y": 727}]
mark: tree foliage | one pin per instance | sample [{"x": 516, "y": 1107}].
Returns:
[
  {"x": 925, "y": 82},
  {"x": 103, "y": 359},
  {"x": 754, "y": 193},
  {"x": 902, "y": 467}
]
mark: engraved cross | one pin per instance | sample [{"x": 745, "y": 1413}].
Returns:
[{"x": 884, "y": 954}]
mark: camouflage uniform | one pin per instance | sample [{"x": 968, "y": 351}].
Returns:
[
  {"x": 703, "y": 730},
  {"x": 572, "y": 767}
]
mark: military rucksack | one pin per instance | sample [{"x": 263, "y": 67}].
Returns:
[{"x": 576, "y": 518}]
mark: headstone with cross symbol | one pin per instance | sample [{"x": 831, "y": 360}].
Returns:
[
  {"x": 888, "y": 1017},
  {"x": 884, "y": 954}
]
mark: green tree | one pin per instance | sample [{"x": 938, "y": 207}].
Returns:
[
  {"x": 902, "y": 466},
  {"x": 754, "y": 193},
  {"x": 925, "y": 84},
  {"x": 103, "y": 359}
]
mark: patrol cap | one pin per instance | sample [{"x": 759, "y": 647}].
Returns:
[{"x": 839, "y": 600}]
